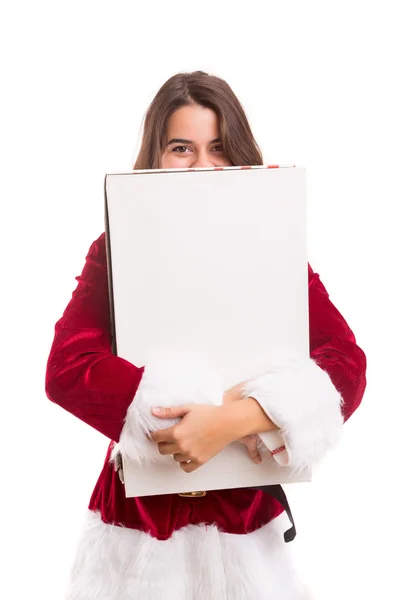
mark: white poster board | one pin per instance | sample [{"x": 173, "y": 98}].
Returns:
[{"x": 210, "y": 263}]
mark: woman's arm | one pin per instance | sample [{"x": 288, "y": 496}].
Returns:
[
  {"x": 105, "y": 391},
  {"x": 82, "y": 375},
  {"x": 333, "y": 346},
  {"x": 309, "y": 400},
  {"x": 299, "y": 408}
]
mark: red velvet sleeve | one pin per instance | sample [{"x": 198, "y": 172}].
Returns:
[
  {"x": 82, "y": 375},
  {"x": 333, "y": 346}
]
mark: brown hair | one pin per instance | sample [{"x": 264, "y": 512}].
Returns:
[{"x": 238, "y": 143}]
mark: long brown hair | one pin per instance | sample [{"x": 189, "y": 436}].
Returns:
[{"x": 239, "y": 145}]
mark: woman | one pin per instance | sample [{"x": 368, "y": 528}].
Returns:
[{"x": 226, "y": 544}]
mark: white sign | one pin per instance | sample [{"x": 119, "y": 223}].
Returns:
[{"x": 211, "y": 265}]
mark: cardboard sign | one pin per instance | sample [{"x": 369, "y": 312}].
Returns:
[{"x": 211, "y": 264}]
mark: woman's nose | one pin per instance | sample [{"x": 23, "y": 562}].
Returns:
[{"x": 202, "y": 160}]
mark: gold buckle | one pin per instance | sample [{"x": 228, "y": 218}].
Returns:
[{"x": 193, "y": 494}]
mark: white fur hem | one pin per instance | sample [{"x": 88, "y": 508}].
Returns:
[
  {"x": 167, "y": 383},
  {"x": 197, "y": 563},
  {"x": 302, "y": 401}
]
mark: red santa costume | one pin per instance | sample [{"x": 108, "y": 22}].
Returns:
[{"x": 228, "y": 544}]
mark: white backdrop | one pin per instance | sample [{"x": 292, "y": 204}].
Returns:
[{"x": 319, "y": 83}]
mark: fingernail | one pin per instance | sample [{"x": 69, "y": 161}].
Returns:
[{"x": 156, "y": 410}]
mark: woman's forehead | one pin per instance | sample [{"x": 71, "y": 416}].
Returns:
[{"x": 193, "y": 123}]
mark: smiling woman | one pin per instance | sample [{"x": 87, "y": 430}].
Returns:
[
  {"x": 196, "y": 120},
  {"x": 223, "y": 544},
  {"x": 193, "y": 139}
]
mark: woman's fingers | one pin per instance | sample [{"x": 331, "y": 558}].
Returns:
[
  {"x": 181, "y": 458},
  {"x": 189, "y": 467},
  {"x": 254, "y": 455},
  {"x": 173, "y": 448},
  {"x": 250, "y": 442},
  {"x": 170, "y": 412},
  {"x": 163, "y": 435},
  {"x": 165, "y": 448},
  {"x": 168, "y": 448}
]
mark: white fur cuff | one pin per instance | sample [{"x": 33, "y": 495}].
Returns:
[
  {"x": 172, "y": 383},
  {"x": 302, "y": 401}
]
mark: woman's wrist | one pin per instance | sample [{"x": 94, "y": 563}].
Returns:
[
  {"x": 234, "y": 394},
  {"x": 246, "y": 417}
]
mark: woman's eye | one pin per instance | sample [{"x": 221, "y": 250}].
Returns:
[
  {"x": 217, "y": 148},
  {"x": 180, "y": 149}
]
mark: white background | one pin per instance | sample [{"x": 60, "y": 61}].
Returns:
[{"x": 319, "y": 83}]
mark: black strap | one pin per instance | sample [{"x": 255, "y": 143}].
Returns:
[{"x": 276, "y": 491}]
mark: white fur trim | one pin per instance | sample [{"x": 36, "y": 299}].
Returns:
[
  {"x": 165, "y": 383},
  {"x": 302, "y": 401},
  {"x": 272, "y": 440},
  {"x": 197, "y": 563}
]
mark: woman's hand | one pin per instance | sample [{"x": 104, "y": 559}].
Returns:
[
  {"x": 235, "y": 394},
  {"x": 206, "y": 430},
  {"x": 201, "y": 434},
  {"x": 251, "y": 443}
]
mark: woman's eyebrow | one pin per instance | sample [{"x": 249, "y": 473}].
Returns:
[
  {"x": 179, "y": 141},
  {"x": 182, "y": 141}
]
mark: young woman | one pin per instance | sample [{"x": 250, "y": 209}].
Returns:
[{"x": 225, "y": 544}]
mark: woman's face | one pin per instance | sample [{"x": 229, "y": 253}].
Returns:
[{"x": 193, "y": 140}]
